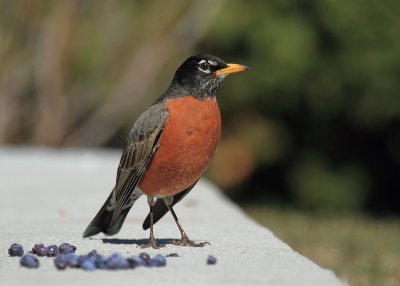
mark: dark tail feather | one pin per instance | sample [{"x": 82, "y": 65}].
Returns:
[
  {"x": 160, "y": 209},
  {"x": 103, "y": 223}
]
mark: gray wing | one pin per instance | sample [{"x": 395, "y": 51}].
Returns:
[{"x": 142, "y": 143}]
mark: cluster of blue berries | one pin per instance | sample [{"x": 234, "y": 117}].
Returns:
[
  {"x": 30, "y": 261},
  {"x": 52, "y": 250},
  {"x": 116, "y": 261},
  {"x": 65, "y": 257}
]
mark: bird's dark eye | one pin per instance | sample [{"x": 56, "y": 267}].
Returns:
[{"x": 204, "y": 66}]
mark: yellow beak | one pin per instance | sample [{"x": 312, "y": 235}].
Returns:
[{"x": 231, "y": 68}]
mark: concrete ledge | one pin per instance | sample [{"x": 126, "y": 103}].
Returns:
[{"x": 49, "y": 196}]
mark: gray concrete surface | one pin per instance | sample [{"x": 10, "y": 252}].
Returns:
[{"x": 49, "y": 196}]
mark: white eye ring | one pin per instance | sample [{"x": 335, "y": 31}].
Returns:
[{"x": 204, "y": 66}]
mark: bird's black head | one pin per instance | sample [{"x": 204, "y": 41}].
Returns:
[{"x": 201, "y": 75}]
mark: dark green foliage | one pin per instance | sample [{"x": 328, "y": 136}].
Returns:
[{"x": 328, "y": 73}]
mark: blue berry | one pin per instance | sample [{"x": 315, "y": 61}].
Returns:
[
  {"x": 101, "y": 262},
  {"x": 73, "y": 260},
  {"x": 98, "y": 260},
  {"x": 159, "y": 260},
  {"x": 146, "y": 258},
  {"x": 116, "y": 261},
  {"x": 52, "y": 250},
  {"x": 39, "y": 249},
  {"x": 81, "y": 259},
  {"x": 29, "y": 261},
  {"x": 135, "y": 261},
  {"x": 92, "y": 255},
  {"x": 151, "y": 264},
  {"x": 88, "y": 265},
  {"x": 61, "y": 261},
  {"x": 16, "y": 250},
  {"x": 211, "y": 260},
  {"x": 66, "y": 248}
]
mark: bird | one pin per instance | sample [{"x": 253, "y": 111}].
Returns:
[{"x": 168, "y": 149}]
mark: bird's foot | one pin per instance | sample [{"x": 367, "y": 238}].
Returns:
[
  {"x": 185, "y": 241},
  {"x": 152, "y": 243}
]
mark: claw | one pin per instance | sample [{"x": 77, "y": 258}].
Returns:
[
  {"x": 185, "y": 241},
  {"x": 151, "y": 243}
]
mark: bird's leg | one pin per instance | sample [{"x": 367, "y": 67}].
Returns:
[
  {"x": 184, "y": 241},
  {"x": 152, "y": 241}
]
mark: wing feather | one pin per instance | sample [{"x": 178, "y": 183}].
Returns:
[{"x": 142, "y": 143}]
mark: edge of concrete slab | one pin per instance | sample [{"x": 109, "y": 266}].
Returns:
[{"x": 50, "y": 196}]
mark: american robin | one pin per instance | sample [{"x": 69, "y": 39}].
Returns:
[{"x": 168, "y": 148}]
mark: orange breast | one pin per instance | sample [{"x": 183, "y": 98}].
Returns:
[{"x": 187, "y": 143}]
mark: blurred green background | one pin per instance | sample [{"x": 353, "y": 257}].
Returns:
[{"x": 313, "y": 129}]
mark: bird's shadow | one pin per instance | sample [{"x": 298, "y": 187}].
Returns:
[{"x": 136, "y": 241}]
